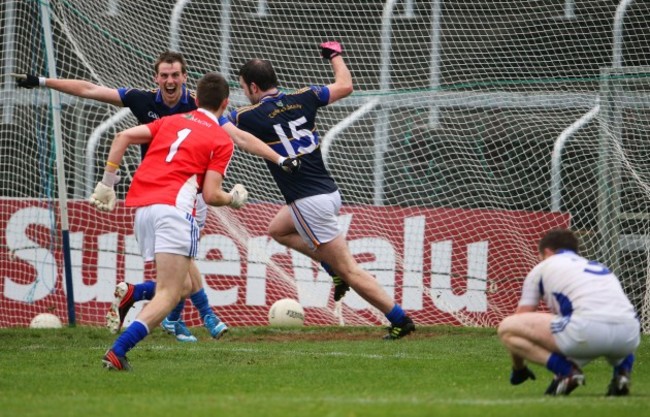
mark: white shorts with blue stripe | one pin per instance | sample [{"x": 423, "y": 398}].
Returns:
[
  {"x": 583, "y": 339},
  {"x": 316, "y": 219},
  {"x": 162, "y": 228}
]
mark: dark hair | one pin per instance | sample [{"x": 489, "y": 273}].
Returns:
[
  {"x": 260, "y": 72},
  {"x": 211, "y": 90},
  {"x": 557, "y": 239},
  {"x": 169, "y": 57}
]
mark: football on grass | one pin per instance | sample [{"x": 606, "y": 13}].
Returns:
[
  {"x": 286, "y": 312},
  {"x": 45, "y": 321}
]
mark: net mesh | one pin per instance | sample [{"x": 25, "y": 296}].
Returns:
[{"x": 453, "y": 154}]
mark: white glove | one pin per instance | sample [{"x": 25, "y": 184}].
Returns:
[
  {"x": 239, "y": 196},
  {"x": 104, "y": 197}
]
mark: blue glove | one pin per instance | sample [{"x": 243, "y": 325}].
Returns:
[{"x": 518, "y": 376}]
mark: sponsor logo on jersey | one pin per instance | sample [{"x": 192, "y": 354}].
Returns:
[
  {"x": 285, "y": 108},
  {"x": 190, "y": 116}
]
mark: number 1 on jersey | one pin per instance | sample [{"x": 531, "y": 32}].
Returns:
[{"x": 181, "y": 135}]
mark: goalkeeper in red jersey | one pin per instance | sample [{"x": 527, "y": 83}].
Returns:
[{"x": 187, "y": 153}]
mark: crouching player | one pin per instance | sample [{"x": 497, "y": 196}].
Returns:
[{"x": 590, "y": 317}]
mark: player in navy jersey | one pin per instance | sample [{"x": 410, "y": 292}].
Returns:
[
  {"x": 170, "y": 97},
  {"x": 308, "y": 223}
]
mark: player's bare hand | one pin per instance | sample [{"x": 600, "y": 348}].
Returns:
[
  {"x": 103, "y": 197},
  {"x": 239, "y": 196}
]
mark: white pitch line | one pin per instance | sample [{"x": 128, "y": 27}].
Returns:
[
  {"x": 378, "y": 356},
  {"x": 563, "y": 401}
]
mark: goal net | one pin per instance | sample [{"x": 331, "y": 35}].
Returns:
[{"x": 475, "y": 126}]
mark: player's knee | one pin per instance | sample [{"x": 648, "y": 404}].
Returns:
[
  {"x": 505, "y": 329},
  {"x": 167, "y": 298},
  {"x": 196, "y": 286},
  {"x": 187, "y": 287},
  {"x": 277, "y": 233},
  {"x": 274, "y": 234},
  {"x": 279, "y": 226},
  {"x": 196, "y": 283}
]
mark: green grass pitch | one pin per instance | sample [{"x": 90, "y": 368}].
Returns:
[{"x": 312, "y": 371}]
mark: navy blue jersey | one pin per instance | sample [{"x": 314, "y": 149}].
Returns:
[
  {"x": 148, "y": 105},
  {"x": 286, "y": 122}
]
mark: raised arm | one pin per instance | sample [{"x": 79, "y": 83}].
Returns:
[
  {"x": 342, "y": 86},
  {"x": 79, "y": 88}
]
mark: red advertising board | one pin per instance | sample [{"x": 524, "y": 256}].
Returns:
[{"x": 451, "y": 266}]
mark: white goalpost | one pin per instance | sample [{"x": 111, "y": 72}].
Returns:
[{"x": 474, "y": 127}]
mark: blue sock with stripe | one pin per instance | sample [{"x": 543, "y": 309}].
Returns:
[
  {"x": 396, "y": 315},
  {"x": 201, "y": 303},
  {"x": 130, "y": 337},
  {"x": 625, "y": 366},
  {"x": 144, "y": 290},
  {"x": 175, "y": 314},
  {"x": 559, "y": 365}
]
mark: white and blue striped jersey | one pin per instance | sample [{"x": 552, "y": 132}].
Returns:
[{"x": 572, "y": 285}]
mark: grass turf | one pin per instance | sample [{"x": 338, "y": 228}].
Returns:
[{"x": 315, "y": 371}]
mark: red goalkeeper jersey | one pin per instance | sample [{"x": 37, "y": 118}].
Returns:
[{"x": 183, "y": 148}]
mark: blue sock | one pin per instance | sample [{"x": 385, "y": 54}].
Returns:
[
  {"x": 175, "y": 314},
  {"x": 625, "y": 366},
  {"x": 559, "y": 365},
  {"x": 328, "y": 269},
  {"x": 396, "y": 315},
  {"x": 201, "y": 303},
  {"x": 144, "y": 290},
  {"x": 130, "y": 337}
]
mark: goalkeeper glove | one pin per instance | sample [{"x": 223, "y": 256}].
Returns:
[
  {"x": 290, "y": 165},
  {"x": 104, "y": 195},
  {"x": 28, "y": 80},
  {"x": 330, "y": 49},
  {"x": 239, "y": 196},
  {"x": 519, "y": 376}
]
